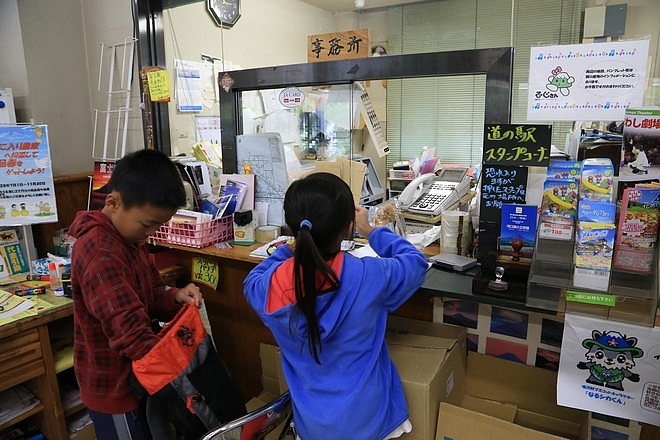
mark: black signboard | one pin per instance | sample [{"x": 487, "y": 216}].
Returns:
[
  {"x": 511, "y": 144},
  {"x": 500, "y": 185}
]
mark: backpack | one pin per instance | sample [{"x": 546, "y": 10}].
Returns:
[{"x": 186, "y": 382}]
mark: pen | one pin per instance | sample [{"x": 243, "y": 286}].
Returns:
[
  {"x": 37, "y": 278},
  {"x": 31, "y": 291}
]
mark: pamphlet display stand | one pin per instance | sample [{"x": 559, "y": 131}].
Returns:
[
  {"x": 550, "y": 273},
  {"x": 633, "y": 295}
]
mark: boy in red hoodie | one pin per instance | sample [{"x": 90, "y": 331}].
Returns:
[{"x": 118, "y": 291}]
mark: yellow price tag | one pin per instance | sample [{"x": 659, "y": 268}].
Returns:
[{"x": 205, "y": 271}]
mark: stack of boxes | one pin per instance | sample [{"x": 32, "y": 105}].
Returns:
[{"x": 453, "y": 394}]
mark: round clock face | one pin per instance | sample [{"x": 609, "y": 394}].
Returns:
[{"x": 225, "y": 13}]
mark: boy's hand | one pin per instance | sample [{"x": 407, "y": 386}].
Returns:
[{"x": 189, "y": 295}]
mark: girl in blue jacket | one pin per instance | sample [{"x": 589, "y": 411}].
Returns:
[{"x": 328, "y": 312}]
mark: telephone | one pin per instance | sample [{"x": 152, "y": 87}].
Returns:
[{"x": 437, "y": 192}]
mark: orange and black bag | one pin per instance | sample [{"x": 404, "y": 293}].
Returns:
[{"x": 187, "y": 383}]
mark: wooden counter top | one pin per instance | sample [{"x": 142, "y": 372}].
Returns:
[
  {"x": 48, "y": 308},
  {"x": 242, "y": 253},
  {"x": 236, "y": 252}
]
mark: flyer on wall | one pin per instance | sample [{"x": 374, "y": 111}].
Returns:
[
  {"x": 27, "y": 193},
  {"x": 611, "y": 368},
  {"x": 582, "y": 82}
]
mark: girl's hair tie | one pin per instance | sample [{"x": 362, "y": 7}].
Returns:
[{"x": 306, "y": 223}]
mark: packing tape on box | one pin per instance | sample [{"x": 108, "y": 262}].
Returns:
[{"x": 264, "y": 234}]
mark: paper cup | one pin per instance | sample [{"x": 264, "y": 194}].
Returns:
[{"x": 455, "y": 232}]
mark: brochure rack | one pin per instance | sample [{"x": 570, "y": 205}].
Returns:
[{"x": 631, "y": 297}]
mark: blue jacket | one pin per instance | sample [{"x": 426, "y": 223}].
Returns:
[{"x": 355, "y": 393}]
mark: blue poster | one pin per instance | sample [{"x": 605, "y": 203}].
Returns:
[
  {"x": 518, "y": 230},
  {"x": 27, "y": 193}
]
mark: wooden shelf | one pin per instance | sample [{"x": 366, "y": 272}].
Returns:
[
  {"x": 74, "y": 409},
  {"x": 26, "y": 356},
  {"x": 36, "y": 410}
]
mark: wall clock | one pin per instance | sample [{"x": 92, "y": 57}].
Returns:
[{"x": 225, "y": 13}]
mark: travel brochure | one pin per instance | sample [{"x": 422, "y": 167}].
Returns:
[
  {"x": 518, "y": 231},
  {"x": 13, "y": 263}
]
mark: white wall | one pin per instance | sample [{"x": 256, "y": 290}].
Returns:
[
  {"x": 12, "y": 62},
  {"x": 268, "y": 33},
  {"x": 49, "y": 57}
]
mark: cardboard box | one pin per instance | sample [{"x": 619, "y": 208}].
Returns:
[
  {"x": 430, "y": 359},
  {"x": 273, "y": 383},
  {"x": 272, "y": 377},
  {"x": 262, "y": 400},
  {"x": 397, "y": 324},
  {"x": 506, "y": 400}
]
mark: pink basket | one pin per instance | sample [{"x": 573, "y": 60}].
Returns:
[{"x": 196, "y": 235}]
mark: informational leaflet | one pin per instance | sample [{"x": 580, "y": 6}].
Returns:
[
  {"x": 582, "y": 82},
  {"x": 188, "y": 86}
]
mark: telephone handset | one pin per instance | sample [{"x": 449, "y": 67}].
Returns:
[{"x": 431, "y": 194}]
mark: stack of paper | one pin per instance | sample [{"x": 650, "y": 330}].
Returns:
[{"x": 15, "y": 401}]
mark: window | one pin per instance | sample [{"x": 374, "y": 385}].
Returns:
[{"x": 448, "y": 112}]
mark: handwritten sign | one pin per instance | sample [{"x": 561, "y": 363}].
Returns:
[
  {"x": 205, "y": 271},
  {"x": 159, "y": 85},
  {"x": 338, "y": 45},
  {"x": 500, "y": 185},
  {"x": 507, "y": 144}
]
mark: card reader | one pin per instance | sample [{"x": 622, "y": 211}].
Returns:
[{"x": 453, "y": 262}]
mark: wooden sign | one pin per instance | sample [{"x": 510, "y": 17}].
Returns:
[
  {"x": 511, "y": 144},
  {"x": 338, "y": 45}
]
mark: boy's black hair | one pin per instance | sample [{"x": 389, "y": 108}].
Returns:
[
  {"x": 324, "y": 204},
  {"x": 148, "y": 177}
]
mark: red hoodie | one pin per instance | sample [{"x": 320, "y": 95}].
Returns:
[{"x": 117, "y": 291}]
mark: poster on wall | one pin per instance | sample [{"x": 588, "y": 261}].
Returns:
[
  {"x": 581, "y": 82},
  {"x": 27, "y": 193},
  {"x": 99, "y": 190},
  {"x": 640, "y": 149},
  {"x": 610, "y": 368},
  {"x": 188, "y": 86}
]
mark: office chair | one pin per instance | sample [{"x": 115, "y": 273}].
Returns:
[{"x": 256, "y": 424}]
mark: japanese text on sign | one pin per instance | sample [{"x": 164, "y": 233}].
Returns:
[
  {"x": 14, "y": 154},
  {"x": 338, "y": 45},
  {"x": 500, "y": 185},
  {"x": 642, "y": 122},
  {"x": 27, "y": 193},
  {"x": 205, "y": 271},
  {"x": 159, "y": 85},
  {"x": 527, "y": 145}
]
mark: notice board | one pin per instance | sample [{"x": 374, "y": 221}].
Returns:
[{"x": 27, "y": 192}]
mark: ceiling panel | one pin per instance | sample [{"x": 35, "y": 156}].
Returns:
[{"x": 349, "y": 5}]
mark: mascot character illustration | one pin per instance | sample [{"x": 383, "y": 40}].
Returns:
[{"x": 610, "y": 358}]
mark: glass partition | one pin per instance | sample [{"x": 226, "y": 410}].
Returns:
[
  {"x": 322, "y": 126},
  {"x": 315, "y": 122}
]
